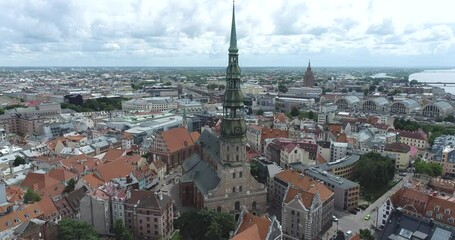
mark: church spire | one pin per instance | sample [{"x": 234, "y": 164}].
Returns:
[{"x": 233, "y": 42}]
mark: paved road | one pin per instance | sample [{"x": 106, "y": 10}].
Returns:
[{"x": 348, "y": 221}]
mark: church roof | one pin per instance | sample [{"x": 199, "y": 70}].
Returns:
[
  {"x": 210, "y": 142},
  {"x": 201, "y": 173}
]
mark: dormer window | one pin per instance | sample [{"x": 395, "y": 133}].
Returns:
[
  {"x": 448, "y": 211},
  {"x": 436, "y": 208}
]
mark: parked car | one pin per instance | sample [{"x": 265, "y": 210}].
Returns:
[
  {"x": 353, "y": 211},
  {"x": 367, "y": 217}
]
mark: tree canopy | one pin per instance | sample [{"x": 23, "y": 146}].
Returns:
[
  {"x": 205, "y": 224},
  {"x": 295, "y": 112},
  {"x": 282, "y": 88},
  {"x": 97, "y": 104},
  {"x": 121, "y": 232},
  {"x": 71, "y": 229},
  {"x": 18, "y": 161},
  {"x": 366, "y": 234},
  {"x": 429, "y": 168},
  {"x": 374, "y": 170},
  {"x": 70, "y": 186},
  {"x": 31, "y": 196}
]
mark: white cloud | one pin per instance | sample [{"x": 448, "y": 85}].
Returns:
[{"x": 173, "y": 31}]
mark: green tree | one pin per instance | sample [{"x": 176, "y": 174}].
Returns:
[
  {"x": 414, "y": 82},
  {"x": 365, "y": 92},
  {"x": 121, "y": 232},
  {"x": 372, "y": 88},
  {"x": 374, "y": 170},
  {"x": 195, "y": 224},
  {"x": 311, "y": 115},
  {"x": 295, "y": 112},
  {"x": 214, "y": 232},
  {"x": 31, "y": 196},
  {"x": 366, "y": 234},
  {"x": 380, "y": 89},
  {"x": 18, "y": 161},
  {"x": 70, "y": 186},
  {"x": 260, "y": 112},
  {"x": 428, "y": 168},
  {"x": 71, "y": 229},
  {"x": 2, "y": 111},
  {"x": 282, "y": 88},
  {"x": 450, "y": 118}
]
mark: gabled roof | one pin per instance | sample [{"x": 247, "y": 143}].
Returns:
[
  {"x": 305, "y": 197},
  {"x": 92, "y": 180},
  {"x": 48, "y": 207},
  {"x": 115, "y": 169},
  {"x": 298, "y": 180},
  {"x": 37, "y": 181},
  {"x": 113, "y": 154},
  {"x": 200, "y": 173},
  {"x": 252, "y": 227},
  {"x": 177, "y": 139},
  {"x": 148, "y": 199},
  {"x": 61, "y": 174},
  {"x": 20, "y": 216}
]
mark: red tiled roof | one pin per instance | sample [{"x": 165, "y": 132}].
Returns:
[
  {"x": 37, "y": 181},
  {"x": 115, "y": 169},
  {"x": 177, "y": 139},
  {"x": 260, "y": 227},
  {"x": 273, "y": 133},
  {"x": 48, "y": 207},
  {"x": 305, "y": 183},
  {"x": 20, "y": 216},
  {"x": 92, "y": 180},
  {"x": 61, "y": 174},
  {"x": 113, "y": 154}
]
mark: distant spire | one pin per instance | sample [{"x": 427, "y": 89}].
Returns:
[
  {"x": 309, "y": 64},
  {"x": 233, "y": 43}
]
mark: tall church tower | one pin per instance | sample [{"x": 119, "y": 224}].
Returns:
[
  {"x": 233, "y": 126},
  {"x": 237, "y": 189},
  {"x": 308, "y": 79}
]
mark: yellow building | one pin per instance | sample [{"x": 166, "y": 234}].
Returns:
[{"x": 400, "y": 152}]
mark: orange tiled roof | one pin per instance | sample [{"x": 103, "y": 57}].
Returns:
[
  {"x": 48, "y": 207},
  {"x": 20, "y": 216},
  {"x": 15, "y": 193},
  {"x": 305, "y": 197},
  {"x": 177, "y": 138},
  {"x": 113, "y": 154},
  {"x": 195, "y": 135},
  {"x": 273, "y": 133},
  {"x": 92, "y": 180},
  {"x": 37, "y": 181},
  {"x": 61, "y": 174},
  {"x": 260, "y": 226},
  {"x": 251, "y": 233},
  {"x": 280, "y": 117},
  {"x": 336, "y": 129},
  {"x": 80, "y": 163},
  {"x": 115, "y": 169},
  {"x": 305, "y": 183}
]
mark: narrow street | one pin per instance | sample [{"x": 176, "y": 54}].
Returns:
[{"x": 348, "y": 221}]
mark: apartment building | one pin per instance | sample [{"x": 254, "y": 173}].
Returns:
[
  {"x": 400, "y": 152},
  {"x": 149, "y": 215}
]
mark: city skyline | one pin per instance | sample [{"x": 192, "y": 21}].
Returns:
[{"x": 193, "y": 33}]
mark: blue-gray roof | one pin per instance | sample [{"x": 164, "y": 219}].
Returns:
[
  {"x": 210, "y": 143},
  {"x": 200, "y": 173}
]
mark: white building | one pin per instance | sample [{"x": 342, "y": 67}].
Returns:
[
  {"x": 338, "y": 150},
  {"x": 150, "y": 104}
]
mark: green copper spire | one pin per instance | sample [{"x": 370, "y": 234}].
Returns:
[
  {"x": 233, "y": 43},
  {"x": 233, "y": 126}
]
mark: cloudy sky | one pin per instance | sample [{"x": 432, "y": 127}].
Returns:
[{"x": 195, "y": 32}]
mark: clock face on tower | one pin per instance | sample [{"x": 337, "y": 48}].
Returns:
[{"x": 238, "y": 130}]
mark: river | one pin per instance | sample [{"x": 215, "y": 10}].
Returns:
[{"x": 437, "y": 76}]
